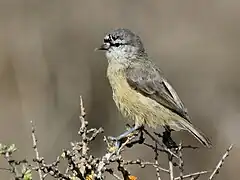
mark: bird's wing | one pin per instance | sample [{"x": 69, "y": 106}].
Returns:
[{"x": 148, "y": 80}]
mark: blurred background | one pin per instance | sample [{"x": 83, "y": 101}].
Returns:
[{"x": 47, "y": 61}]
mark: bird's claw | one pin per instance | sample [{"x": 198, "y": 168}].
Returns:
[
  {"x": 115, "y": 143},
  {"x": 112, "y": 138}
]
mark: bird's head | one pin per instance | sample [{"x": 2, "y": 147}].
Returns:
[{"x": 122, "y": 45}]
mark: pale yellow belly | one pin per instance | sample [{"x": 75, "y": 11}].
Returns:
[{"x": 142, "y": 110}]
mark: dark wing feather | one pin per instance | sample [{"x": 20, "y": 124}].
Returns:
[{"x": 147, "y": 79}]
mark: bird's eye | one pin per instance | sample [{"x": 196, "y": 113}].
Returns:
[{"x": 117, "y": 44}]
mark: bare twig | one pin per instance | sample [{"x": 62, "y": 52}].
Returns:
[
  {"x": 161, "y": 145},
  {"x": 196, "y": 177},
  {"x": 142, "y": 164},
  {"x": 129, "y": 139},
  {"x": 83, "y": 128},
  {"x": 180, "y": 160},
  {"x": 122, "y": 169},
  {"x": 95, "y": 133},
  {"x": 110, "y": 171},
  {"x": 219, "y": 165},
  {"x": 53, "y": 171},
  {"x": 81, "y": 165},
  {"x": 170, "y": 163},
  {"x": 156, "y": 162},
  {"x": 192, "y": 175},
  {"x": 34, "y": 139}
]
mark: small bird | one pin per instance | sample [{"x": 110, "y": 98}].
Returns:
[{"x": 140, "y": 90}]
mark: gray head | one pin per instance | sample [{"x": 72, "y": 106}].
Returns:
[{"x": 121, "y": 45}]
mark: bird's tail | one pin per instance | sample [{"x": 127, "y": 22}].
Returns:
[{"x": 195, "y": 132}]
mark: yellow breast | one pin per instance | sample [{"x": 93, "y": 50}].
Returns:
[{"x": 134, "y": 105}]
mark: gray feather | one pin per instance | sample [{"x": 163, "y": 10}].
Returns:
[
  {"x": 147, "y": 79},
  {"x": 195, "y": 132}
]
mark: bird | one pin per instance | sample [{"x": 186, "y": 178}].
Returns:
[{"x": 141, "y": 92}]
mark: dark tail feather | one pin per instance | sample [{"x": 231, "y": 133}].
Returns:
[{"x": 196, "y": 133}]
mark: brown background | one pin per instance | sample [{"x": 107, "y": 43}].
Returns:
[{"x": 47, "y": 61}]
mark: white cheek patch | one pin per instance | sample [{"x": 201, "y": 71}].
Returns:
[
  {"x": 128, "y": 49},
  {"x": 114, "y": 54},
  {"x": 120, "y": 54}
]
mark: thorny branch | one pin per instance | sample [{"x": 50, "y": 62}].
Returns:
[{"x": 81, "y": 165}]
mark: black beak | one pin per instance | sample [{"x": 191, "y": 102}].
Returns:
[{"x": 104, "y": 46}]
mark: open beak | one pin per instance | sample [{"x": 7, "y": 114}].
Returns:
[{"x": 104, "y": 46}]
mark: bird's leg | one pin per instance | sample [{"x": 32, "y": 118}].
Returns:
[
  {"x": 167, "y": 139},
  {"x": 124, "y": 135},
  {"x": 128, "y": 132}
]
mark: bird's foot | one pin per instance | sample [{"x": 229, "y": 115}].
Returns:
[
  {"x": 117, "y": 142},
  {"x": 167, "y": 139}
]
